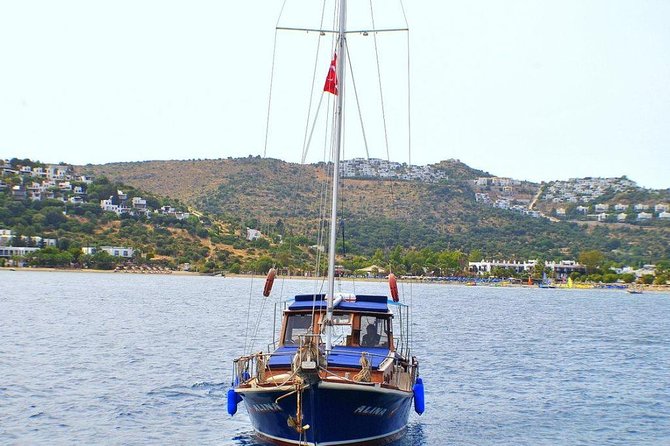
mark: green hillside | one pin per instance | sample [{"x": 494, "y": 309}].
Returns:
[{"x": 285, "y": 199}]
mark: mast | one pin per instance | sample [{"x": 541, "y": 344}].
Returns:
[{"x": 341, "y": 43}]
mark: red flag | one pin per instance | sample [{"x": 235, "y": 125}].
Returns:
[{"x": 331, "y": 79}]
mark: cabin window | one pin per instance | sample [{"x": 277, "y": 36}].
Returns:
[
  {"x": 341, "y": 330},
  {"x": 374, "y": 331},
  {"x": 297, "y": 325}
]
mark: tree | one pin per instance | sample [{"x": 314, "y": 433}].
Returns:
[
  {"x": 475, "y": 256},
  {"x": 592, "y": 260}
]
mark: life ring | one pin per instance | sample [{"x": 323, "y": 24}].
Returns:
[
  {"x": 393, "y": 285},
  {"x": 269, "y": 281}
]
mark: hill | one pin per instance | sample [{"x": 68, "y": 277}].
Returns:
[{"x": 287, "y": 199}]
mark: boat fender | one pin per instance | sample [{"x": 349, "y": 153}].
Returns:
[
  {"x": 233, "y": 400},
  {"x": 393, "y": 285},
  {"x": 245, "y": 378},
  {"x": 419, "y": 401},
  {"x": 269, "y": 281}
]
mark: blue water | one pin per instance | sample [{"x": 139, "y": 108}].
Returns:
[{"x": 146, "y": 359}]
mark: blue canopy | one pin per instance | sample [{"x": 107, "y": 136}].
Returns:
[
  {"x": 377, "y": 304},
  {"x": 340, "y": 356}
]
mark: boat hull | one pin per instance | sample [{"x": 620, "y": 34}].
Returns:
[{"x": 337, "y": 414}]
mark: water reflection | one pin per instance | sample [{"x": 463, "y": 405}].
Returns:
[{"x": 413, "y": 437}]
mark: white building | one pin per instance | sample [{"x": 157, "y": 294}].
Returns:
[
  {"x": 602, "y": 207},
  {"x": 18, "y": 251},
  {"x": 664, "y": 215},
  {"x": 109, "y": 206},
  {"x": 644, "y": 216},
  {"x": 661, "y": 208},
  {"x": 139, "y": 203},
  {"x": 115, "y": 251},
  {"x": 620, "y": 207},
  {"x": 253, "y": 234},
  {"x": 622, "y": 216}
]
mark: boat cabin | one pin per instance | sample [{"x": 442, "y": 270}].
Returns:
[{"x": 358, "y": 321}]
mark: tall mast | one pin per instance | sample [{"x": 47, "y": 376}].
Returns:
[{"x": 341, "y": 52}]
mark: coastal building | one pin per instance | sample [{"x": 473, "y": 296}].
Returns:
[
  {"x": 582, "y": 209},
  {"x": 5, "y": 237},
  {"x": 16, "y": 251},
  {"x": 664, "y": 215},
  {"x": 58, "y": 171},
  {"x": 109, "y": 206},
  {"x": 641, "y": 207},
  {"x": 645, "y": 271},
  {"x": 621, "y": 216},
  {"x": 564, "y": 268},
  {"x": 169, "y": 210},
  {"x": 139, "y": 203},
  {"x": 601, "y": 207},
  {"x": 115, "y": 251},
  {"x": 19, "y": 192},
  {"x": 560, "y": 269},
  {"x": 602, "y": 216},
  {"x": 487, "y": 266},
  {"x": 620, "y": 207},
  {"x": 661, "y": 208},
  {"x": 644, "y": 216},
  {"x": 253, "y": 234}
]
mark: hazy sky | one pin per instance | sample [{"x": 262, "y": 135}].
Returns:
[{"x": 535, "y": 89}]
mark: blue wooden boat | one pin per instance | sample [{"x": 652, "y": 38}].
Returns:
[
  {"x": 359, "y": 392},
  {"x": 341, "y": 372}
]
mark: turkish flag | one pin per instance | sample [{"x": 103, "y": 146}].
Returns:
[{"x": 331, "y": 79}]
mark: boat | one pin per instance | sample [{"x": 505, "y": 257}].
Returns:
[
  {"x": 546, "y": 282},
  {"x": 340, "y": 371},
  {"x": 634, "y": 289}
]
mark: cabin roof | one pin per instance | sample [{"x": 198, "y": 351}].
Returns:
[{"x": 361, "y": 302}]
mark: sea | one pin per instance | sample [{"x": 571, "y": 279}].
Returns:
[{"x": 125, "y": 359}]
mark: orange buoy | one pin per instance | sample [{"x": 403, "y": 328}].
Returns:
[
  {"x": 269, "y": 281},
  {"x": 393, "y": 285}
]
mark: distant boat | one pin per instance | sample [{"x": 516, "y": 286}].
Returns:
[
  {"x": 634, "y": 290},
  {"x": 546, "y": 282}
]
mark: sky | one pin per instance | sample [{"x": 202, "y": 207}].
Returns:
[{"x": 530, "y": 89}]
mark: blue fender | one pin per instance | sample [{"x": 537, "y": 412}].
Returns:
[
  {"x": 419, "y": 399},
  {"x": 233, "y": 399}
]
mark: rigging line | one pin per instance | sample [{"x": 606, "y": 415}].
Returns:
[
  {"x": 311, "y": 94},
  {"x": 379, "y": 79},
  {"x": 308, "y": 141},
  {"x": 358, "y": 103},
  {"x": 272, "y": 76},
  {"x": 246, "y": 330},
  {"x": 409, "y": 106},
  {"x": 386, "y": 139},
  {"x": 258, "y": 324},
  {"x": 409, "y": 151}
]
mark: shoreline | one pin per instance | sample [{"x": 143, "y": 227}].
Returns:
[{"x": 651, "y": 288}]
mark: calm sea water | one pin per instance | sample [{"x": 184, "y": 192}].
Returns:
[{"x": 145, "y": 359}]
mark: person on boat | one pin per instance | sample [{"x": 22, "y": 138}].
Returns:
[{"x": 371, "y": 338}]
